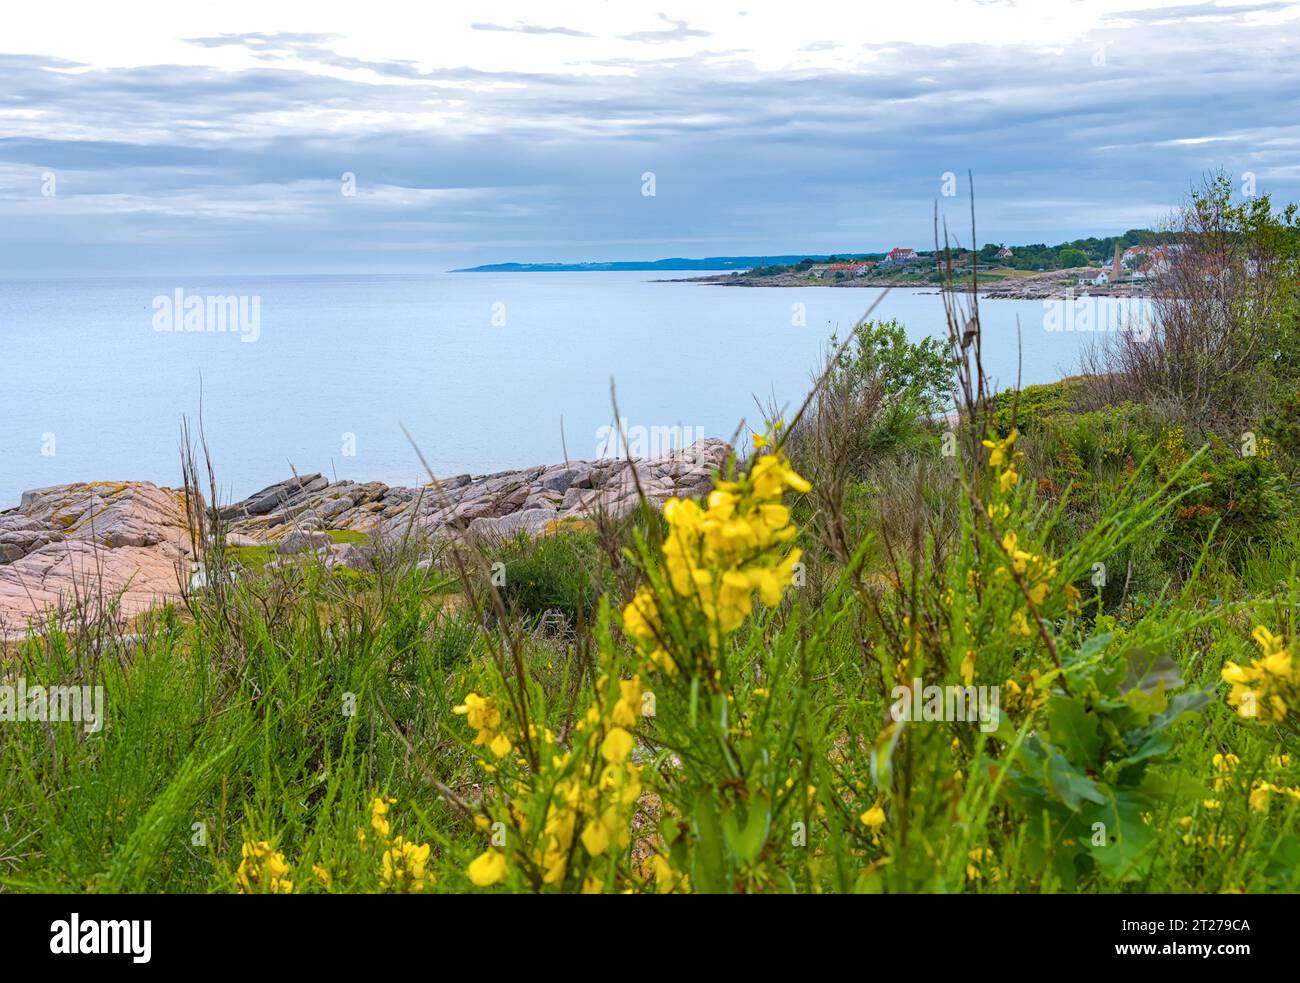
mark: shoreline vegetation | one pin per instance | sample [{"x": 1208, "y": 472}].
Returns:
[
  {"x": 1047, "y": 644},
  {"x": 1113, "y": 266}
]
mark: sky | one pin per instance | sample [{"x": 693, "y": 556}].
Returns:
[{"x": 156, "y": 137}]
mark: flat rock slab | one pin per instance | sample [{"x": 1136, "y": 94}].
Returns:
[
  {"x": 91, "y": 545},
  {"x": 503, "y": 503}
]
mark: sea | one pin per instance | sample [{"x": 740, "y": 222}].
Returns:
[{"x": 485, "y": 371}]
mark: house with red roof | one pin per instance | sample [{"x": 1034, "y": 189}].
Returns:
[{"x": 900, "y": 256}]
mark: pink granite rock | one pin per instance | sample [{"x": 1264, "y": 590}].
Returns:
[{"x": 91, "y": 545}]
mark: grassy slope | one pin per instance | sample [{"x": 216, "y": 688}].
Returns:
[{"x": 280, "y": 719}]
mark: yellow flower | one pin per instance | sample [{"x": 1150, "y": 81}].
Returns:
[
  {"x": 1269, "y": 642},
  {"x": 1269, "y": 686},
  {"x": 967, "y": 671},
  {"x": 598, "y": 833},
  {"x": 1259, "y": 797},
  {"x": 617, "y": 745},
  {"x": 1020, "y": 624},
  {"x": 478, "y": 711},
  {"x": 1000, "y": 451},
  {"x": 640, "y": 615},
  {"x": 403, "y": 866},
  {"x": 556, "y": 865},
  {"x": 873, "y": 819},
  {"x": 718, "y": 557},
  {"x": 262, "y": 869},
  {"x": 378, "y": 812},
  {"x": 975, "y": 857},
  {"x": 628, "y": 707},
  {"x": 488, "y": 868},
  {"x": 667, "y": 880}
]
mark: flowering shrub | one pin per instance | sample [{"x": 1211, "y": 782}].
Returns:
[
  {"x": 724, "y": 735},
  {"x": 1269, "y": 687},
  {"x": 400, "y": 866},
  {"x": 715, "y": 559},
  {"x": 557, "y": 814},
  {"x": 262, "y": 870}
]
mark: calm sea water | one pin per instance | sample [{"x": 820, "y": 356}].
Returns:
[{"x": 488, "y": 371}]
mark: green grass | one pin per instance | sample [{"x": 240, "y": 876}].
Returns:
[{"x": 256, "y": 557}]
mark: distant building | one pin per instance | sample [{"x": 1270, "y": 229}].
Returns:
[
  {"x": 1004, "y": 253},
  {"x": 1135, "y": 257},
  {"x": 900, "y": 256},
  {"x": 1155, "y": 260},
  {"x": 1097, "y": 279},
  {"x": 826, "y": 271}
]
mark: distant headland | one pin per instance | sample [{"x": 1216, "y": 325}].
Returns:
[{"x": 677, "y": 263}]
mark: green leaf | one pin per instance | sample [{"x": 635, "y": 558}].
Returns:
[
  {"x": 1071, "y": 784},
  {"x": 1182, "y": 703},
  {"x": 1147, "y": 670},
  {"x": 1094, "y": 644},
  {"x": 1073, "y": 729},
  {"x": 746, "y": 843},
  {"x": 709, "y": 869},
  {"x": 1145, "y": 703},
  {"x": 1126, "y": 848}
]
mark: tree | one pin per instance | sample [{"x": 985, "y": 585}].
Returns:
[{"x": 1223, "y": 340}]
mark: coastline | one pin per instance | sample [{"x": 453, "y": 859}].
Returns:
[
  {"x": 126, "y": 547},
  {"x": 1052, "y": 285}
]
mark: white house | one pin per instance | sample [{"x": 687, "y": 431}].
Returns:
[
  {"x": 900, "y": 256},
  {"x": 1135, "y": 257},
  {"x": 1089, "y": 280}
]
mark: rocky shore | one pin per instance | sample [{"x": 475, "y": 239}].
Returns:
[
  {"x": 126, "y": 544},
  {"x": 1051, "y": 285}
]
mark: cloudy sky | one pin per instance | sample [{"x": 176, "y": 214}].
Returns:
[{"x": 214, "y": 138}]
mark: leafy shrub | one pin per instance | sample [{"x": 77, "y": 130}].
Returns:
[
  {"x": 1241, "y": 501},
  {"x": 916, "y": 373},
  {"x": 563, "y": 571}
]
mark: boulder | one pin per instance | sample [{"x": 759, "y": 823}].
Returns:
[
  {"x": 91, "y": 545},
  {"x": 300, "y": 541},
  {"x": 352, "y": 556},
  {"x": 531, "y": 521},
  {"x": 269, "y": 498}
]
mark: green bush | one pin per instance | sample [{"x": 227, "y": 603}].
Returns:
[
  {"x": 1240, "y": 501},
  {"x": 563, "y": 571},
  {"x": 1033, "y": 407}
]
